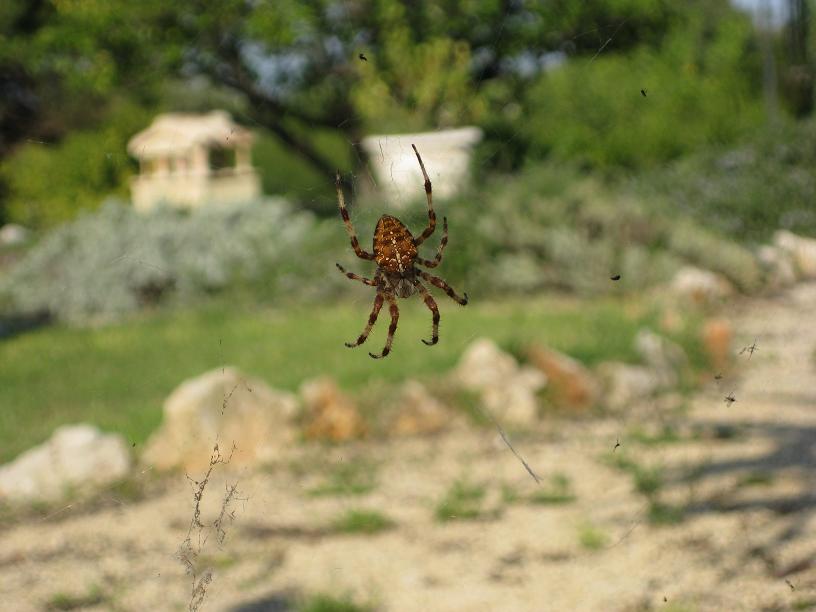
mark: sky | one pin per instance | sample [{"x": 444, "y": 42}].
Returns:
[{"x": 777, "y": 7}]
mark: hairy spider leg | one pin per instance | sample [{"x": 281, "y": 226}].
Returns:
[
  {"x": 428, "y": 193},
  {"x": 432, "y": 263},
  {"x": 392, "y": 306},
  {"x": 438, "y": 282},
  {"x": 431, "y": 304},
  {"x": 353, "y": 276},
  {"x": 372, "y": 319},
  {"x": 355, "y": 244}
]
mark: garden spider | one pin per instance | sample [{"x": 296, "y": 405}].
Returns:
[{"x": 395, "y": 251}]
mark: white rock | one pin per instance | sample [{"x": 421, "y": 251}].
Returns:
[
  {"x": 802, "y": 251},
  {"x": 625, "y": 383},
  {"x": 76, "y": 457},
  {"x": 226, "y": 407},
  {"x": 777, "y": 265},
  {"x": 701, "y": 286},
  {"x": 12, "y": 234},
  {"x": 507, "y": 390},
  {"x": 417, "y": 412},
  {"x": 665, "y": 358}
]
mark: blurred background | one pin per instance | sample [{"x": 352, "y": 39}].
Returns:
[{"x": 622, "y": 418}]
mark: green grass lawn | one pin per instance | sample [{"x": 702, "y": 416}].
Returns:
[{"x": 118, "y": 376}]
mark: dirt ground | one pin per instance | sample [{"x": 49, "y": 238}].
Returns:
[{"x": 743, "y": 475}]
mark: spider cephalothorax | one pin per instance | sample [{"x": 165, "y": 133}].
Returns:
[{"x": 395, "y": 251}]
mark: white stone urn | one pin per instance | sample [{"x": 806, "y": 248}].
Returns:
[{"x": 446, "y": 154}]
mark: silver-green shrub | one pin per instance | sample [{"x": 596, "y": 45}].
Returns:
[
  {"x": 708, "y": 250},
  {"x": 116, "y": 260}
]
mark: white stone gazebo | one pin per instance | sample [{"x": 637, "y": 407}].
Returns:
[{"x": 189, "y": 160}]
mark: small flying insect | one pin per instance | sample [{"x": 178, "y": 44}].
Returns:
[
  {"x": 788, "y": 582},
  {"x": 730, "y": 399},
  {"x": 617, "y": 444},
  {"x": 749, "y": 349},
  {"x": 718, "y": 377},
  {"x": 643, "y": 92},
  {"x": 363, "y": 57},
  {"x": 616, "y": 277}
]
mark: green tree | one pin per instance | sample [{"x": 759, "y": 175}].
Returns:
[{"x": 292, "y": 66}]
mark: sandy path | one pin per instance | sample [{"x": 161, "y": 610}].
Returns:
[{"x": 745, "y": 474}]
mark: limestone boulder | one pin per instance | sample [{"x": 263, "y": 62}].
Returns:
[
  {"x": 75, "y": 458},
  {"x": 700, "y": 287},
  {"x": 569, "y": 383},
  {"x": 13, "y": 234},
  {"x": 506, "y": 389},
  {"x": 717, "y": 336},
  {"x": 625, "y": 384},
  {"x": 801, "y": 250},
  {"x": 777, "y": 266},
  {"x": 665, "y": 358},
  {"x": 330, "y": 414},
  {"x": 417, "y": 412},
  {"x": 227, "y": 407}
]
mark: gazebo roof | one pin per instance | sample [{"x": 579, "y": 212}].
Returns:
[{"x": 176, "y": 133}]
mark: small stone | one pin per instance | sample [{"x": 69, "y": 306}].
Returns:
[
  {"x": 417, "y": 412},
  {"x": 717, "y": 335},
  {"x": 75, "y": 457},
  {"x": 778, "y": 267},
  {"x": 330, "y": 414},
  {"x": 701, "y": 286},
  {"x": 665, "y": 358},
  {"x": 571, "y": 384},
  {"x": 626, "y": 384},
  {"x": 13, "y": 234},
  {"x": 802, "y": 250}
]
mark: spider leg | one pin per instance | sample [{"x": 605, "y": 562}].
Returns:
[
  {"x": 428, "y": 193},
  {"x": 355, "y": 244},
  {"x": 353, "y": 276},
  {"x": 431, "y": 304},
  {"x": 432, "y": 263},
  {"x": 392, "y": 306},
  {"x": 438, "y": 282},
  {"x": 372, "y": 318}
]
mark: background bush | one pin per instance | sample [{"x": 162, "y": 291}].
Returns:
[
  {"x": 116, "y": 260},
  {"x": 50, "y": 183},
  {"x": 591, "y": 111},
  {"x": 550, "y": 227},
  {"x": 553, "y": 227},
  {"x": 749, "y": 191}
]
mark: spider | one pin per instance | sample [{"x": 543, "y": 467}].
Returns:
[{"x": 395, "y": 251}]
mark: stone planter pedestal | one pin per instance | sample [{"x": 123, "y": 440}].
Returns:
[{"x": 446, "y": 155}]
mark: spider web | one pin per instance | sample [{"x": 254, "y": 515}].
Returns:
[{"x": 231, "y": 350}]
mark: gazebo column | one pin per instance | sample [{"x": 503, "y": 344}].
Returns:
[
  {"x": 200, "y": 160},
  {"x": 242, "y": 157},
  {"x": 162, "y": 166}
]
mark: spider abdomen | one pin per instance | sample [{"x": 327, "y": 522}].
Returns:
[{"x": 394, "y": 248}]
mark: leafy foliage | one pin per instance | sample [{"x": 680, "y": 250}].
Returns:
[
  {"x": 700, "y": 90},
  {"x": 362, "y": 521},
  {"x": 291, "y": 71},
  {"x": 50, "y": 184}
]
